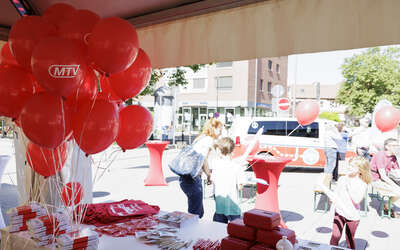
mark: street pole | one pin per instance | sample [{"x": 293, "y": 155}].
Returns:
[
  {"x": 216, "y": 86},
  {"x": 255, "y": 89},
  {"x": 174, "y": 117},
  {"x": 294, "y": 88}
]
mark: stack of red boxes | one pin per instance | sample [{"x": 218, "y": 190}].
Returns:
[
  {"x": 20, "y": 215},
  {"x": 83, "y": 239},
  {"x": 258, "y": 230},
  {"x": 44, "y": 229}
]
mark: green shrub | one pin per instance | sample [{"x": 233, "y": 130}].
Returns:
[{"x": 333, "y": 116}]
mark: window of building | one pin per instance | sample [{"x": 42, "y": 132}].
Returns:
[
  {"x": 269, "y": 65},
  {"x": 277, "y": 68},
  {"x": 199, "y": 83},
  {"x": 261, "y": 87},
  {"x": 269, "y": 87},
  {"x": 223, "y": 64},
  {"x": 224, "y": 82}
]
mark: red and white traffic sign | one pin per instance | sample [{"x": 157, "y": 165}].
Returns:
[{"x": 283, "y": 104}]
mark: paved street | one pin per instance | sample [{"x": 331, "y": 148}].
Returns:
[{"x": 124, "y": 180}]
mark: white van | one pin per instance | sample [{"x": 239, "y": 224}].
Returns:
[{"x": 304, "y": 145}]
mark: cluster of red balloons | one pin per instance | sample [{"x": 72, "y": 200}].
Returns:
[{"x": 65, "y": 75}]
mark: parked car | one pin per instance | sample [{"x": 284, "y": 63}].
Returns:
[{"x": 283, "y": 137}]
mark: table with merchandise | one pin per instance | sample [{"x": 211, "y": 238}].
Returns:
[{"x": 134, "y": 224}]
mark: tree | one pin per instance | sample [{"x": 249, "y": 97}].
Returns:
[
  {"x": 177, "y": 78},
  {"x": 370, "y": 77}
]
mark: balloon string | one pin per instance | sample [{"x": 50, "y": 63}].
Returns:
[
  {"x": 294, "y": 130},
  {"x": 113, "y": 156}
]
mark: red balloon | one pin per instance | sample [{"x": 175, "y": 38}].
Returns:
[
  {"x": 44, "y": 161},
  {"x": 59, "y": 65},
  {"x": 6, "y": 55},
  {"x": 16, "y": 87},
  {"x": 132, "y": 81},
  {"x": 44, "y": 120},
  {"x": 79, "y": 26},
  {"x": 135, "y": 126},
  {"x": 25, "y": 34},
  {"x": 95, "y": 125},
  {"x": 113, "y": 45},
  {"x": 72, "y": 193},
  {"x": 307, "y": 112},
  {"x": 107, "y": 92},
  {"x": 87, "y": 90},
  {"x": 58, "y": 13},
  {"x": 387, "y": 118}
]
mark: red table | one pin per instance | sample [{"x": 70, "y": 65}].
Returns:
[
  {"x": 268, "y": 169},
  {"x": 155, "y": 177}
]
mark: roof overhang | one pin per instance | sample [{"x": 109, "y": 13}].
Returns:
[{"x": 219, "y": 30}]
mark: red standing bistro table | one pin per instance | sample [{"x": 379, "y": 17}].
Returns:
[
  {"x": 155, "y": 177},
  {"x": 268, "y": 169}
]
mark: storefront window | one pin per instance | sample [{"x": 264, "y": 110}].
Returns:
[
  {"x": 195, "y": 118},
  {"x": 229, "y": 114}
]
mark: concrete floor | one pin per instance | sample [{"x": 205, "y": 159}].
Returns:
[{"x": 124, "y": 180}]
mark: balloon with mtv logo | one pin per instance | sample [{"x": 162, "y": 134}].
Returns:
[{"x": 59, "y": 65}]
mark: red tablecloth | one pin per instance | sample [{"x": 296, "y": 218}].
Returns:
[
  {"x": 268, "y": 169},
  {"x": 155, "y": 177}
]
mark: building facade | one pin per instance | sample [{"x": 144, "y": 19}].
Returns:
[
  {"x": 240, "y": 88},
  {"x": 325, "y": 94}
]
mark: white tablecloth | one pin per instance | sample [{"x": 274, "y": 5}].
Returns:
[{"x": 202, "y": 229}]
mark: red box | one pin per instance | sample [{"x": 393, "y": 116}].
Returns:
[
  {"x": 261, "y": 247},
  {"x": 271, "y": 237},
  {"x": 230, "y": 243},
  {"x": 261, "y": 219},
  {"x": 238, "y": 229}
]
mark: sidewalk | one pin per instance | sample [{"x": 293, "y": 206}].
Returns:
[{"x": 124, "y": 180}]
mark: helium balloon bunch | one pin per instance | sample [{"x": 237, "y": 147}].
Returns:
[{"x": 64, "y": 76}]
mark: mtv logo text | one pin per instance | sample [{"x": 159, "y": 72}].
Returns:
[{"x": 63, "y": 71}]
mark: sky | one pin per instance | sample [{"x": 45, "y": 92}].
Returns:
[{"x": 321, "y": 67}]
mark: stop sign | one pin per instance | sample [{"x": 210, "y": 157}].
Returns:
[{"x": 283, "y": 104}]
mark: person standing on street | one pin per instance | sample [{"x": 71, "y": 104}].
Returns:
[
  {"x": 331, "y": 152},
  {"x": 192, "y": 186},
  {"x": 349, "y": 193}
]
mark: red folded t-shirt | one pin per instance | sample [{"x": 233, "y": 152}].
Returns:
[{"x": 100, "y": 214}]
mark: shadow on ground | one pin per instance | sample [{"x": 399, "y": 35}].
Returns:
[
  {"x": 8, "y": 199},
  {"x": 291, "y": 216},
  {"x": 138, "y": 167},
  {"x": 303, "y": 170},
  {"x": 99, "y": 194},
  {"x": 323, "y": 230},
  {"x": 361, "y": 244},
  {"x": 171, "y": 179},
  {"x": 380, "y": 234}
]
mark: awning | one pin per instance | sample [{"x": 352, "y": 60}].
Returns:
[
  {"x": 272, "y": 28},
  {"x": 262, "y": 29}
]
